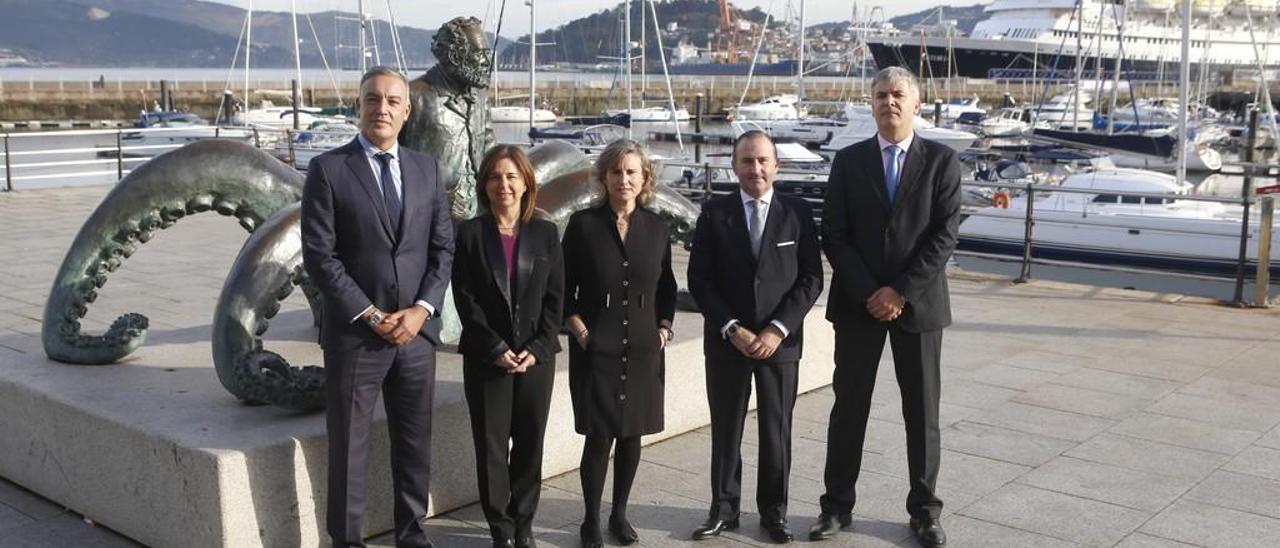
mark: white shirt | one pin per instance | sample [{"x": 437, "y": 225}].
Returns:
[
  {"x": 370, "y": 153},
  {"x": 747, "y": 213},
  {"x": 905, "y": 145}
]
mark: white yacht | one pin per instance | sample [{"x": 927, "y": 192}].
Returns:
[
  {"x": 517, "y": 114},
  {"x": 861, "y": 125},
  {"x": 1006, "y": 122},
  {"x": 1021, "y": 34},
  {"x": 1110, "y": 225},
  {"x": 1069, "y": 111},
  {"x": 777, "y": 107},
  {"x": 652, "y": 114}
]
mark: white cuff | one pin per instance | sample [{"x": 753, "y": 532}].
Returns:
[
  {"x": 362, "y": 313},
  {"x": 724, "y": 331},
  {"x": 782, "y": 328},
  {"x": 431, "y": 310}
]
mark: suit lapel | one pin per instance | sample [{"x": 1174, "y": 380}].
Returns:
[
  {"x": 736, "y": 221},
  {"x": 411, "y": 185},
  {"x": 911, "y": 169},
  {"x": 873, "y": 164},
  {"x": 358, "y": 163},
  {"x": 492, "y": 241}
]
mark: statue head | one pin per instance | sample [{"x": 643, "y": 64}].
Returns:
[{"x": 462, "y": 51}]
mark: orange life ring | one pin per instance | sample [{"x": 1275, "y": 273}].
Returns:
[{"x": 1000, "y": 200}]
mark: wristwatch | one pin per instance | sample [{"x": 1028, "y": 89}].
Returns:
[
  {"x": 374, "y": 318},
  {"x": 672, "y": 334},
  {"x": 731, "y": 331}
]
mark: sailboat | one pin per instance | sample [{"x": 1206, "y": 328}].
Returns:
[{"x": 529, "y": 114}]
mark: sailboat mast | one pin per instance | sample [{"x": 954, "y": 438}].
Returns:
[
  {"x": 1184, "y": 80},
  {"x": 626, "y": 55},
  {"x": 1075, "y": 93},
  {"x": 360, "y": 16},
  {"x": 248, "y": 45},
  {"x": 800, "y": 56},
  {"x": 297, "y": 48},
  {"x": 533, "y": 61}
]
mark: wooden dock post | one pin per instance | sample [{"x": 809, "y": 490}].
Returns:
[{"x": 1262, "y": 280}]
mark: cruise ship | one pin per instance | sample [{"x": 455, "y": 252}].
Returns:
[{"x": 1044, "y": 38}]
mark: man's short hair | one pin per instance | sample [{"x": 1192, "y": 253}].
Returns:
[
  {"x": 753, "y": 134},
  {"x": 382, "y": 71},
  {"x": 896, "y": 74}
]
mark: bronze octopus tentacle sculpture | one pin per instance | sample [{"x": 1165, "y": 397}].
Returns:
[{"x": 230, "y": 178}]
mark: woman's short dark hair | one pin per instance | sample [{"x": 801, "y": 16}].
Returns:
[
  {"x": 523, "y": 166},
  {"x": 614, "y": 153}
]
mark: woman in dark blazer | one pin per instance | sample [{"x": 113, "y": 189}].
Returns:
[
  {"x": 620, "y": 301},
  {"x": 508, "y": 283}
]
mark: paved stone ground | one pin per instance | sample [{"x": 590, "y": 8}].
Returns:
[{"x": 1073, "y": 415}]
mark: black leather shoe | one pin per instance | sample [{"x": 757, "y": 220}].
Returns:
[
  {"x": 713, "y": 527},
  {"x": 622, "y": 530},
  {"x": 828, "y": 525},
  {"x": 504, "y": 543},
  {"x": 778, "y": 532},
  {"x": 526, "y": 541},
  {"x": 929, "y": 532},
  {"x": 590, "y": 535}
]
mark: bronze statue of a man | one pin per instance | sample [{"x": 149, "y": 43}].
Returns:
[{"x": 450, "y": 119}]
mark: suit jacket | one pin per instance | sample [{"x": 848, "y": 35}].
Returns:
[
  {"x": 495, "y": 316},
  {"x": 871, "y": 244},
  {"x": 729, "y": 283},
  {"x": 352, "y": 255}
]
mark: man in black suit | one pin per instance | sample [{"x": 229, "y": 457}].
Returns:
[
  {"x": 755, "y": 270},
  {"x": 378, "y": 242},
  {"x": 889, "y": 225}
]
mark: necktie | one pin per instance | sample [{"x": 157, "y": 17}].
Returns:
[
  {"x": 757, "y": 226},
  {"x": 389, "y": 195},
  {"x": 891, "y": 172}
]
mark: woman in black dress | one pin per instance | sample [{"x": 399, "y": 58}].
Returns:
[
  {"x": 620, "y": 299},
  {"x": 508, "y": 284}
]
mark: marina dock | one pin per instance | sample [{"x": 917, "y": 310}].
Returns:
[{"x": 1072, "y": 415}]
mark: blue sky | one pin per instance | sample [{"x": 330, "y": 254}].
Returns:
[{"x": 551, "y": 13}]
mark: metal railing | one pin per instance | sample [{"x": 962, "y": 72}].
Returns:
[{"x": 108, "y": 155}]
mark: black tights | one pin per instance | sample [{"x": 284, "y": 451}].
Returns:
[{"x": 595, "y": 465}]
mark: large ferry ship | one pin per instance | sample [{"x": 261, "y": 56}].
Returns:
[{"x": 1044, "y": 39}]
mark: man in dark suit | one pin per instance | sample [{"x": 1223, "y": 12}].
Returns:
[
  {"x": 378, "y": 242},
  {"x": 755, "y": 270},
  {"x": 889, "y": 225}
]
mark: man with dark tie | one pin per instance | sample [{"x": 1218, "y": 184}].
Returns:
[
  {"x": 755, "y": 270},
  {"x": 377, "y": 241},
  {"x": 889, "y": 226}
]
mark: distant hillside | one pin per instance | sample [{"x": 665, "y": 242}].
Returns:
[
  {"x": 185, "y": 33},
  {"x": 587, "y": 39},
  {"x": 966, "y": 17}
]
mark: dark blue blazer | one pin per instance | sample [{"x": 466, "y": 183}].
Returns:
[
  {"x": 351, "y": 253},
  {"x": 872, "y": 244},
  {"x": 728, "y": 282}
]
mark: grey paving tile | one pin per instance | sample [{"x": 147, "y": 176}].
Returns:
[
  {"x": 972, "y": 474},
  {"x": 1257, "y": 461},
  {"x": 1140, "y": 540},
  {"x": 1003, "y": 444},
  {"x": 1240, "y": 492},
  {"x": 967, "y": 393},
  {"x": 1118, "y": 383},
  {"x": 1149, "y": 456},
  {"x": 1040, "y": 420},
  {"x": 1207, "y": 525},
  {"x": 1107, "y": 483},
  {"x": 1053, "y": 362},
  {"x": 1235, "y": 391},
  {"x": 1237, "y": 413},
  {"x": 63, "y": 531},
  {"x": 966, "y": 531},
  {"x": 1082, "y": 400},
  {"x": 1271, "y": 439},
  {"x": 1008, "y": 376},
  {"x": 10, "y": 518},
  {"x": 28, "y": 503},
  {"x": 1185, "y": 433},
  {"x": 1058, "y": 515}
]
